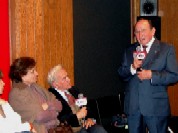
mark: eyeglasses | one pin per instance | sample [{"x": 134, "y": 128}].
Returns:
[{"x": 139, "y": 31}]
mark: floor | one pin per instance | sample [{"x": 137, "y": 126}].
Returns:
[{"x": 173, "y": 127}]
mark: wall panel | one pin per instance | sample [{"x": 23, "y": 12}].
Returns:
[
  {"x": 101, "y": 33},
  {"x": 43, "y": 29},
  {"x": 167, "y": 11}
]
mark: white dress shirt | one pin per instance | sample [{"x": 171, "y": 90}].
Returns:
[{"x": 62, "y": 93}]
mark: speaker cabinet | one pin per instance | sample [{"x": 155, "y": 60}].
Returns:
[
  {"x": 156, "y": 22},
  {"x": 148, "y": 7}
]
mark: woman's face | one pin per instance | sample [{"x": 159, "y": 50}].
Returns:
[
  {"x": 30, "y": 77},
  {"x": 1, "y": 86}
]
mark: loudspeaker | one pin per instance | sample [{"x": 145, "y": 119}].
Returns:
[
  {"x": 148, "y": 7},
  {"x": 156, "y": 22}
]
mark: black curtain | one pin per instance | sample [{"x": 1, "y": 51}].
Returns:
[{"x": 101, "y": 33}]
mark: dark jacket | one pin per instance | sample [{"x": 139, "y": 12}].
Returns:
[
  {"x": 150, "y": 96},
  {"x": 66, "y": 113}
]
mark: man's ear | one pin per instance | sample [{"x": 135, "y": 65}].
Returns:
[
  {"x": 153, "y": 31},
  {"x": 54, "y": 85}
]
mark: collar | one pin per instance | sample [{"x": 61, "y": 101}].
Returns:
[
  {"x": 62, "y": 93},
  {"x": 149, "y": 44},
  {"x": 19, "y": 85}
]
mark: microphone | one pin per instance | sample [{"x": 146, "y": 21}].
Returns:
[
  {"x": 81, "y": 101},
  {"x": 140, "y": 54}
]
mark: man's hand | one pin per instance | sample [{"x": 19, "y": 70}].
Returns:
[
  {"x": 137, "y": 63},
  {"x": 144, "y": 74},
  {"x": 88, "y": 123},
  {"x": 82, "y": 113}
]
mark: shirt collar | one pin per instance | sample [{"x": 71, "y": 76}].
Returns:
[
  {"x": 149, "y": 44},
  {"x": 62, "y": 93}
]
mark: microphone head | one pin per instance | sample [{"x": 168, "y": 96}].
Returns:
[
  {"x": 138, "y": 49},
  {"x": 80, "y": 96},
  {"x": 81, "y": 101},
  {"x": 139, "y": 53}
]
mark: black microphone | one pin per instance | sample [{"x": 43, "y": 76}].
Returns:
[{"x": 140, "y": 54}]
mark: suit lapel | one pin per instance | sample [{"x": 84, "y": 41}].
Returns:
[
  {"x": 59, "y": 97},
  {"x": 154, "y": 50}
]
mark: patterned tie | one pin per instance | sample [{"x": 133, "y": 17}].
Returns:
[
  {"x": 71, "y": 102},
  {"x": 71, "y": 99}
]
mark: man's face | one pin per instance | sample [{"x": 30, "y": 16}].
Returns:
[
  {"x": 143, "y": 32},
  {"x": 62, "y": 81}
]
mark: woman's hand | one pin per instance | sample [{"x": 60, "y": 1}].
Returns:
[{"x": 45, "y": 106}]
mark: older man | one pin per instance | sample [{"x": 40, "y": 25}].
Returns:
[
  {"x": 146, "y": 98},
  {"x": 62, "y": 89}
]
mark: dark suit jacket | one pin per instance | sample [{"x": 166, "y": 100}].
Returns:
[
  {"x": 150, "y": 96},
  {"x": 66, "y": 113}
]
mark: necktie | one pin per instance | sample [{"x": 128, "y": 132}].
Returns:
[
  {"x": 71, "y": 99},
  {"x": 144, "y": 49}
]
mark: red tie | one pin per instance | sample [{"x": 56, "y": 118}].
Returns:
[
  {"x": 144, "y": 49},
  {"x": 71, "y": 99}
]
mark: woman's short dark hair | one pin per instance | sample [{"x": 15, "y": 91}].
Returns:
[{"x": 19, "y": 68}]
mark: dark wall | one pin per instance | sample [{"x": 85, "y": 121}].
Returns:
[{"x": 101, "y": 33}]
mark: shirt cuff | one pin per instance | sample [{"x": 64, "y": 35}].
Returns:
[{"x": 132, "y": 70}]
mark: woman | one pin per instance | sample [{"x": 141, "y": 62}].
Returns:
[
  {"x": 10, "y": 121},
  {"x": 35, "y": 104}
]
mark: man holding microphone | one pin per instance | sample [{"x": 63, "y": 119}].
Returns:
[
  {"x": 146, "y": 97},
  {"x": 73, "y": 112}
]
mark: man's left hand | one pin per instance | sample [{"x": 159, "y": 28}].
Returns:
[
  {"x": 88, "y": 123},
  {"x": 144, "y": 74}
]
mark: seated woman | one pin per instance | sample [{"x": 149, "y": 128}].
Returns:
[
  {"x": 35, "y": 104},
  {"x": 10, "y": 121}
]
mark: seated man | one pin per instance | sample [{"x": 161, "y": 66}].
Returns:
[{"x": 60, "y": 83}]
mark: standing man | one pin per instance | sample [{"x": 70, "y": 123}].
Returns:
[
  {"x": 146, "y": 97},
  {"x": 62, "y": 89}
]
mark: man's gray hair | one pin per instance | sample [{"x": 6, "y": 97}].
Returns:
[{"x": 52, "y": 74}]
